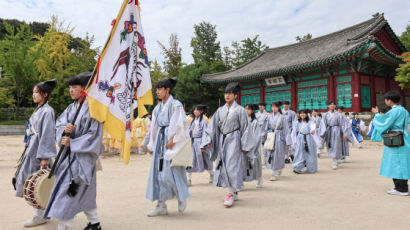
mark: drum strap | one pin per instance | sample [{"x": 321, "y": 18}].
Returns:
[{"x": 20, "y": 162}]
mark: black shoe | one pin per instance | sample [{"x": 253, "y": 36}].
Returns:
[
  {"x": 95, "y": 226},
  {"x": 287, "y": 161}
]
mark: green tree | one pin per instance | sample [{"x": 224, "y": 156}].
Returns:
[
  {"x": 405, "y": 38},
  {"x": 173, "y": 56},
  {"x": 246, "y": 50},
  {"x": 17, "y": 62},
  {"x": 206, "y": 48},
  {"x": 191, "y": 91},
  {"x": 61, "y": 56},
  {"x": 304, "y": 38},
  {"x": 403, "y": 72}
]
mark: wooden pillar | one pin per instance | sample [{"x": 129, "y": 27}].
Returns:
[
  {"x": 239, "y": 98},
  {"x": 356, "y": 95},
  {"x": 294, "y": 96},
  {"x": 373, "y": 90},
  {"x": 331, "y": 88},
  {"x": 262, "y": 93}
]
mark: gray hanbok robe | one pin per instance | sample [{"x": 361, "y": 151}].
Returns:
[
  {"x": 316, "y": 120},
  {"x": 275, "y": 159},
  {"x": 41, "y": 144},
  {"x": 201, "y": 160},
  {"x": 252, "y": 163},
  {"x": 332, "y": 128},
  {"x": 290, "y": 116},
  {"x": 262, "y": 118},
  {"x": 345, "y": 146},
  {"x": 86, "y": 146},
  {"x": 166, "y": 182},
  {"x": 225, "y": 131},
  {"x": 302, "y": 139}
]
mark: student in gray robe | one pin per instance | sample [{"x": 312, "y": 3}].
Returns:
[
  {"x": 277, "y": 122},
  {"x": 169, "y": 128},
  {"x": 262, "y": 117},
  {"x": 252, "y": 162},
  {"x": 332, "y": 130},
  {"x": 75, "y": 187},
  {"x": 348, "y": 127},
  {"x": 290, "y": 117},
  {"x": 40, "y": 143},
  {"x": 224, "y": 134},
  {"x": 201, "y": 156},
  {"x": 303, "y": 141},
  {"x": 316, "y": 119}
]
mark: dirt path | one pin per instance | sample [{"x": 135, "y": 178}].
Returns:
[{"x": 352, "y": 197}]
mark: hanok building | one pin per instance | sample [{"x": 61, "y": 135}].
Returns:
[{"x": 354, "y": 67}]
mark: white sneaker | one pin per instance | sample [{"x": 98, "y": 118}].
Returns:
[
  {"x": 229, "y": 199},
  {"x": 158, "y": 211},
  {"x": 280, "y": 172},
  {"x": 189, "y": 182},
  {"x": 211, "y": 178},
  {"x": 304, "y": 170},
  {"x": 181, "y": 206},
  {"x": 334, "y": 165},
  {"x": 395, "y": 192},
  {"x": 35, "y": 221},
  {"x": 235, "y": 196},
  {"x": 341, "y": 161},
  {"x": 273, "y": 178},
  {"x": 260, "y": 183}
]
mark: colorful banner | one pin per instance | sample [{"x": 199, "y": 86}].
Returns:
[{"x": 122, "y": 81}]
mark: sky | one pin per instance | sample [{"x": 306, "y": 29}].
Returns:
[{"x": 276, "y": 22}]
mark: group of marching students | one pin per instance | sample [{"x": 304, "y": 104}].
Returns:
[{"x": 236, "y": 140}]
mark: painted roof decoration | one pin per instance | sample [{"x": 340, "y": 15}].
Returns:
[{"x": 342, "y": 45}]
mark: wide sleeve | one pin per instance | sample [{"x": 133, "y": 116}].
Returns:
[
  {"x": 264, "y": 129},
  {"x": 382, "y": 123},
  {"x": 178, "y": 132},
  {"x": 47, "y": 136},
  {"x": 314, "y": 136},
  {"x": 89, "y": 142},
  {"x": 153, "y": 131},
  {"x": 362, "y": 125},
  {"x": 286, "y": 130},
  {"x": 243, "y": 120},
  {"x": 178, "y": 126},
  {"x": 322, "y": 127},
  {"x": 250, "y": 137},
  {"x": 146, "y": 138},
  {"x": 211, "y": 135},
  {"x": 61, "y": 123},
  {"x": 293, "y": 135},
  {"x": 204, "y": 137},
  {"x": 346, "y": 127}
]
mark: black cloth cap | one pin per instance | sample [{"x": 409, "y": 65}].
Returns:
[
  {"x": 167, "y": 83},
  {"x": 47, "y": 86},
  {"x": 204, "y": 108},
  {"x": 81, "y": 79},
  {"x": 233, "y": 87},
  {"x": 262, "y": 103},
  {"x": 286, "y": 103},
  {"x": 330, "y": 102}
]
